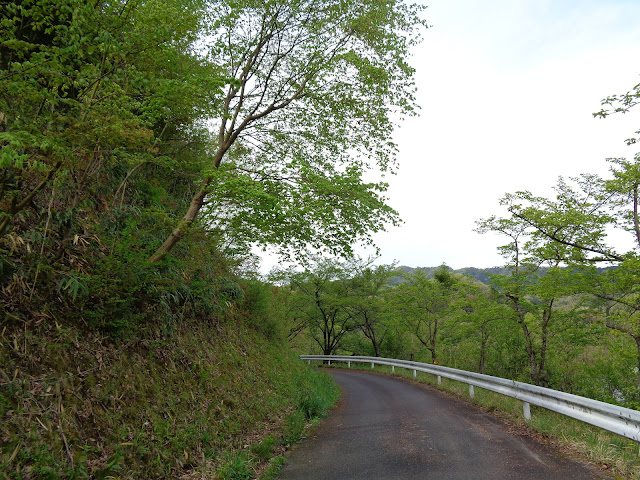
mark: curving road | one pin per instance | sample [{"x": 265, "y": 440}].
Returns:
[{"x": 389, "y": 428}]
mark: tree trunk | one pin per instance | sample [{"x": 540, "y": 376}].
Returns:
[
  {"x": 434, "y": 358},
  {"x": 434, "y": 339},
  {"x": 531, "y": 354},
  {"x": 194, "y": 208},
  {"x": 196, "y": 204}
]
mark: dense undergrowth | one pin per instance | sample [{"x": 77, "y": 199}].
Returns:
[{"x": 207, "y": 398}]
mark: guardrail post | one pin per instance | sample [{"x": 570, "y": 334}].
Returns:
[
  {"x": 439, "y": 380},
  {"x": 371, "y": 364},
  {"x": 349, "y": 364},
  {"x": 414, "y": 374},
  {"x": 329, "y": 362},
  {"x": 308, "y": 362},
  {"x": 526, "y": 409},
  {"x": 471, "y": 392},
  {"x": 393, "y": 368}
]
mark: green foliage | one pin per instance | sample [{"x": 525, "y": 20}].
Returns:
[
  {"x": 425, "y": 305},
  {"x": 265, "y": 448},
  {"x": 572, "y": 230},
  {"x": 317, "y": 395},
  {"x": 275, "y": 464},
  {"x": 366, "y": 301},
  {"x": 532, "y": 324},
  {"x": 316, "y": 303},
  {"x": 237, "y": 466},
  {"x": 311, "y": 97},
  {"x": 100, "y": 139},
  {"x": 296, "y": 422},
  {"x": 262, "y": 311}
]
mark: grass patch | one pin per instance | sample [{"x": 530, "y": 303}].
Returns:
[
  {"x": 264, "y": 449},
  {"x": 275, "y": 464},
  {"x": 294, "y": 428},
  {"x": 216, "y": 401},
  {"x": 612, "y": 453},
  {"x": 237, "y": 466},
  {"x": 319, "y": 394}
]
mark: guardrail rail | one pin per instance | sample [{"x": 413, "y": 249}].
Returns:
[{"x": 619, "y": 420}]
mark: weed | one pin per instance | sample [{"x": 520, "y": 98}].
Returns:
[
  {"x": 318, "y": 397},
  {"x": 295, "y": 424},
  {"x": 264, "y": 449},
  {"x": 275, "y": 464},
  {"x": 237, "y": 466}
]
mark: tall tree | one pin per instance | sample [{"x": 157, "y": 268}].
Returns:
[
  {"x": 317, "y": 301},
  {"x": 366, "y": 300},
  {"x": 530, "y": 294},
  {"x": 574, "y": 227},
  {"x": 424, "y": 304},
  {"x": 315, "y": 88},
  {"x": 479, "y": 315}
]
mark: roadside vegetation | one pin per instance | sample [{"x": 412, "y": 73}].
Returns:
[
  {"x": 181, "y": 406},
  {"x": 550, "y": 334},
  {"x": 186, "y": 405}
]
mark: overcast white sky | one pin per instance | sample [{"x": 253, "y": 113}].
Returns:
[{"x": 507, "y": 90}]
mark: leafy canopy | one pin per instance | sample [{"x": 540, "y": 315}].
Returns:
[{"x": 314, "y": 91}]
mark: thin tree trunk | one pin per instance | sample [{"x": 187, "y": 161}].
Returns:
[
  {"x": 192, "y": 212},
  {"x": 434, "y": 339},
  {"x": 533, "y": 363},
  {"x": 434, "y": 358},
  {"x": 531, "y": 354}
]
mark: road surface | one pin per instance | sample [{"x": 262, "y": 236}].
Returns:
[{"x": 389, "y": 428}]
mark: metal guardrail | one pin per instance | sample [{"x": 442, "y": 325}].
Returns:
[{"x": 619, "y": 420}]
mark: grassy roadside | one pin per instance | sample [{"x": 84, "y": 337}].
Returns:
[
  {"x": 205, "y": 402},
  {"x": 613, "y": 454}
]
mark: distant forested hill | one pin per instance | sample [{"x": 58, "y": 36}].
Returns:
[{"x": 479, "y": 274}]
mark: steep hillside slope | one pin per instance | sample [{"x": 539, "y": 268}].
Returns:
[{"x": 206, "y": 401}]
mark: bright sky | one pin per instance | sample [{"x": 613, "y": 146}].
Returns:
[{"x": 507, "y": 90}]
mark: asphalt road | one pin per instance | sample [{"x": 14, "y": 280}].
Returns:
[{"x": 389, "y": 428}]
